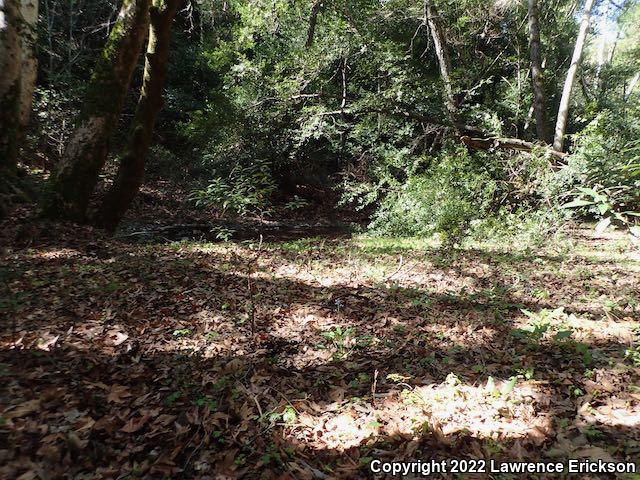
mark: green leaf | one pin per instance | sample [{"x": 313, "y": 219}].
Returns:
[
  {"x": 604, "y": 208},
  {"x": 289, "y": 415},
  {"x": 508, "y": 387},
  {"x": 589, "y": 191},
  {"x": 563, "y": 334},
  {"x": 491, "y": 385}
]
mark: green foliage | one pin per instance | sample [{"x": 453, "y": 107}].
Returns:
[
  {"x": 340, "y": 339},
  {"x": 245, "y": 190},
  {"x": 444, "y": 196},
  {"x": 256, "y": 115},
  {"x": 607, "y": 160},
  {"x": 632, "y": 354}
]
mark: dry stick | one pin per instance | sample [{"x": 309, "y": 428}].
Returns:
[
  {"x": 284, "y": 397},
  {"x": 373, "y": 387},
  {"x": 255, "y": 399},
  {"x": 316, "y": 473},
  {"x": 397, "y": 270}
]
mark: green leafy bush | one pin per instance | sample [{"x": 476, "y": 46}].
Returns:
[
  {"x": 455, "y": 189},
  {"x": 245, "y": 189},
  {"x": 607, "y": 161}
]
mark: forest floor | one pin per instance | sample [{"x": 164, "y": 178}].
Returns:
[{"x": 308, "y": 358}]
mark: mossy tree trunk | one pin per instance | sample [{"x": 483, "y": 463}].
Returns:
[
  {"x": 132, "y": 161},
  {"x": 75, "y": 178},
  {"x": 28, "y": 43},
  {"x": 313, "y": 20},
  {"x": 10, "y": 66}
]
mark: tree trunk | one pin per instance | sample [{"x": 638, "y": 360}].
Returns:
[
  {"x": 10, "y": 68},
  {"x": 77, "y": 175},
  {"x": 132, "y": 162},
  {"x": 439, "y": 42},
  {"x": 563, "y": 110},
  {"x": 536, "y": 72},
  {"x": 313, "y": 20},
  {"x": 632, "y": 86},
  {"x": 29, "y": 38}
]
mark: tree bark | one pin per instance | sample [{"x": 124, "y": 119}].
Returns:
[
  {"x": 73, "y": 183},
  {"x": 563, "y": 109},
  {"x": 313, "y": 20},
  {"x": 536, "y": 72},
  {"x": 439, "y": 42},
  {"x": 10, "y": 68},
  {"x": 132, "y": 161},
  {"x": 29, "y": 38}
]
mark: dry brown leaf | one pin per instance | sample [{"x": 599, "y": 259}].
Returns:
[
  {"x": 23, "y": 409},
  {"x": 135, "y": 424},
  {"x": 118, "y": 393}
]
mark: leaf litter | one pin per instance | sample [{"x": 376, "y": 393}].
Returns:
[{"x": 307, "y": 359}]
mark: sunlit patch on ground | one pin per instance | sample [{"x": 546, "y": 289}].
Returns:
[{"x": 497, "y": 411}]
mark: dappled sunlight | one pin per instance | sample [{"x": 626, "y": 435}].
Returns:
[
  {"x": 558, "y": 324},
  {"x": 291, "y": 240},
  {"x": 412, "y": 412},
  {"x": 55, "y": 253},
  {"x": 338, "y": 354}
]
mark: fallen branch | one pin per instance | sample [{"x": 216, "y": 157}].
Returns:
[{"x": 495, "y": 143}]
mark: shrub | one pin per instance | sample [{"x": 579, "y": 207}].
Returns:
[
  {"x": 246, "y": 189},
  {"x": 455, "y": 189},
  {"x": 607, "y": 163}
]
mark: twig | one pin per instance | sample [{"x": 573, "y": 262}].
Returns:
[
  {"x": 397, "y": 270},
  {"x": 373, "y": 387},
  {"x": 316, "y": 473},
  {"x": 255, "y": 400}
]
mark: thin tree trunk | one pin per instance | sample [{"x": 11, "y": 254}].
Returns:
[
  {"x": 132, "y": 162},
  {"x": 29, "y": 40},
  {"x": 75, "y": 179},
  {"x": 536, "y": 72},
  {"x": 313, "y": 20},
  {"x": 10, "y": 68},
  {"x": 439, "y": 42},
  {"x": 563, "y": 109},
  {"x": 632, "y": 85}
]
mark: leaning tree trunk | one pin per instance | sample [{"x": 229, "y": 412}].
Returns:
[
  {"x": 132, "y": 162},
  {"x": 536, "y": 72},
  {"x": 75, "y": 179},
  {"x": 439, "y": 42},
  {"x": 9, "y": 84},
  {"x": 632, "y": 86},
  {"x": 29, "y": 38},
  {"x": 563, "y": 109}
]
